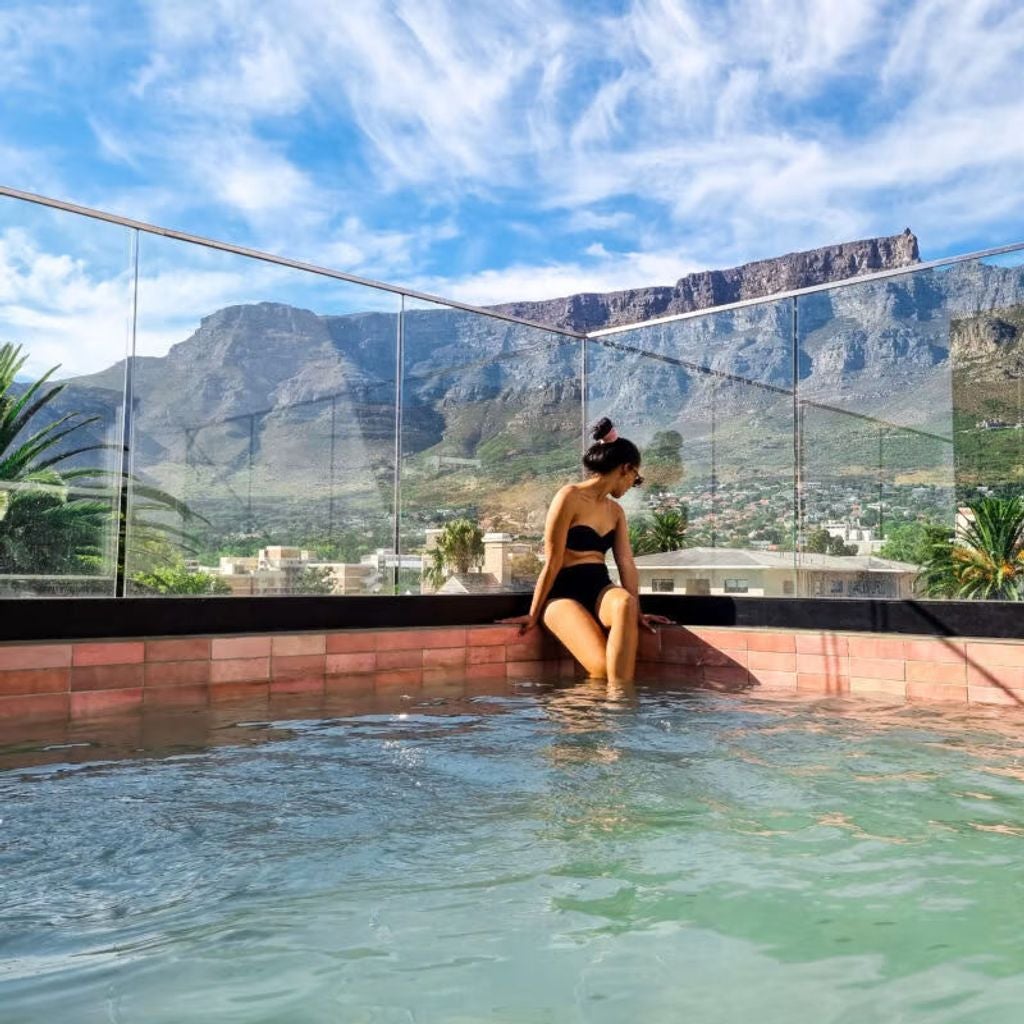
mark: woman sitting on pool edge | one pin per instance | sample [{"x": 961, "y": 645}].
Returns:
[{"x": 575, "y": 597}]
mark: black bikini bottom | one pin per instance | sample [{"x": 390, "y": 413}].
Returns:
[{"x": 582, "y": 583}]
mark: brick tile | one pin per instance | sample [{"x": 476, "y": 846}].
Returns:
[
  {"x": 723, "y": 639},
  {"x": 187, "y": 695},
  {"x": 240, "y": 670},
  {"x": 360, "y": 661},
  {"x": 184, "y": 649},
  {"x": 812, "y": 682},
  {"x": 876, "y": 685},
  {"x": 352, "y": 642},
  {"x": 877, "y": 668},
  {"x": 105, "y": 702},
  {"x": 982, "y": 653},
  {"x": 776, "y": 661},
  {"x": 251, "y": 691},
  {"x": 937, "y": 692},
  {"x": 297, "y": 684},
  {"x": 875, "y": 648},
  {"x": 22, "y": 682},
  {"x": 995, "y": 675},
  {"x": 778, "y": 643},
  {"x": 399, "y": 677},
  {"x": 725, "y": 675},
  {"x": 298, "y": 644},
  {"x": 443, "y": 674},
  {"x": 944, "y": 673},
  {"x": 482, "y": 636},
  {"x": 486, "y": 670},
  {"x": 822, "y": 664},
  {"x": 410, "y": 639},
  {"x": 530, "y": 650},
  {"x": 994, "y": 695},
  {"x": 298, "y": 665},
  {"x": 679, "y": 636},
  {"x": 485, "y": 655},
  {"x": 408, "y": 659},
  {"x": 951, "y": 651},
  {"x": 821, "y": 643},
  {"x": 524, "y": 669},
  {"x": 348, "y": 686},
  {"x": 36, "y": 706},
  {"x": 106, "y": 677},
  {"x": 649, "y": 648},
  {"x": 116, "y": 653},
  {"x": 713, "y": 656},
  {"x": 233, "y": 648},
  {"x": 444, "y": 657},
  {"x": 683, "y": 655},
  {"x": 770, "y": 680},
  {"x": 176, "y": 673},
  {"x": 33, "y": 656}
]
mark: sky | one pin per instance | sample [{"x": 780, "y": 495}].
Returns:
[{"x": 486, "y": 152}]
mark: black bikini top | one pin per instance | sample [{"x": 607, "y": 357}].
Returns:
[{"x": 586, "y": 538}]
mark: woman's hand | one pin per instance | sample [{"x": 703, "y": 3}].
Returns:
[
  {"x": 648, "y": 622},
  {"x": 525, "y": 623}
]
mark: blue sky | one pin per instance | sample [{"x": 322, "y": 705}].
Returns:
[{"x": 493, "y": 151}]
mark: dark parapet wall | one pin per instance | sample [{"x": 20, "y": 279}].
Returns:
[{"x": 591, "y": 311}]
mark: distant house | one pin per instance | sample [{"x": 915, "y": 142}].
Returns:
[
  {"x": 473, "y": 583},
  {"x": 705, "y": 571}
]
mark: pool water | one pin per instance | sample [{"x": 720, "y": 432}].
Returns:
[{"x": 553, "y": 853}]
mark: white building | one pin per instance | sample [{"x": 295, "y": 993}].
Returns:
[{"x": 709, "y": 571}]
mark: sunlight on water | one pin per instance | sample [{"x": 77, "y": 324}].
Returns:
[{"x": 556, "y": 854}]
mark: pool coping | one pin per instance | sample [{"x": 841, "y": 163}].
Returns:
[{"x": 80, "y": 618}]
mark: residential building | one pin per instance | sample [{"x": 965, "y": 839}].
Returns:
[{"x": 707, "y": 571}]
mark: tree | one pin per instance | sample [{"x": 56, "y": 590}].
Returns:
[
  {"x": 664, "y": 531},
  {"x": 525, "y": 568},
  {"x": 314, "y": 579},
  {"x": 44, "y": 528},
  {"x": 821, "y": 542},
  {"x": 460, "y": 544},
  {"x": 985, "y": 560},
  {"x": 912, "y": 542},
  {"x": 56, "y": 520},
  {"x": 177, "y": 579},
  {"x": 663, "y": 460}
]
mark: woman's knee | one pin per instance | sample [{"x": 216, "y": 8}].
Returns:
[{"x": 623, "y": 603}]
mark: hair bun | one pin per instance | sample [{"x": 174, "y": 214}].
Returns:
[{"x": 604, "y": 427}]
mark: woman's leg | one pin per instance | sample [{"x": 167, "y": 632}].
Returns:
[
  {"x": 616, "y": 608},
  {"x": 576, "y": 628}
]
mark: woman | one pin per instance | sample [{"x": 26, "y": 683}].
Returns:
[{"x": 575, "y": 597}]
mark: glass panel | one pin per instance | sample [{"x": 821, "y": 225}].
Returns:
[
  {"x": 65, "y": 309},
  {"x": 264, "y": 428},
  {"x": 490, "y": 430},
  {"x": 885, "y": 434},
  {"x": 709, "y": 401}
]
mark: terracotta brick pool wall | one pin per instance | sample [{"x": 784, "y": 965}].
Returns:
[{"x": 71, "y": 680}]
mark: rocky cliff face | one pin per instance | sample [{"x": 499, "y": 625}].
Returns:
[
  {"x": 274, "y": 406},
  {"x": 591, "y": 311}
]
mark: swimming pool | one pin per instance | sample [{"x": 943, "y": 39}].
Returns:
[{"x": 550, "y": 853}]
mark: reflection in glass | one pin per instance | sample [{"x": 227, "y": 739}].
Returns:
[
  {"x": 709, "y": 400},
  {"x": 65, "y": 312},
  {"x": 490, "y": 431},
  {"x": 266, "y": 413}
]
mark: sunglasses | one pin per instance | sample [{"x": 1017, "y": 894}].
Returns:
[{"x": 639, "y": 481}]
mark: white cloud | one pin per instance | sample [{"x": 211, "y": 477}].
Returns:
[
  {"x": 698, "y": 134},
  {"x": 604, "y": 271}
]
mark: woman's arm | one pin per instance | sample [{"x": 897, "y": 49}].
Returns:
[
  {"x": 628, "y": 575},
  {"x": 556, "y": 529},
  {"x": 623, "y": 553}
]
